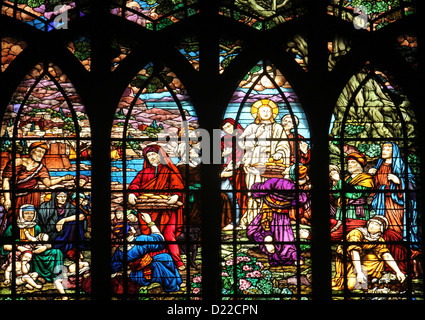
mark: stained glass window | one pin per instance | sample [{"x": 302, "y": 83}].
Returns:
[
  {"x": 155, "y": 157},
  {"x": 265, "y": 190},
  {"x": 189, "y": 48},
  {"x": 338, "y": 47},
  {"x": 374, "y": 174},
  {"x": 154, "y": 14},
  {"x": 262, "y": 15},
  {"x": 46, "y": 190},
  {"x": 229, "y": 50},
  {"x": 45, "y": 15},
  {"x": 371, "y": 14},
  {"x": 407, "y": 46},
  {"x": 297, "y": 46},
  {"x": 81, "y": 49}
]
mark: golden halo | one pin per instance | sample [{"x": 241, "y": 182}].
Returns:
[{"x": 264, "y": 103}]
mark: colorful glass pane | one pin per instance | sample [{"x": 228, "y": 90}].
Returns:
[
  {"x": 10, "y": 49},
  {"x": 265, "y": 190},
  {"x": 298, "y": 48},
  {"x": 371, "y": 14},
  {"x": 154, "y": 14},
  {"x": 46, "y": 198},
  {"x": 189, "y": 48},
  {"x": 338, "y": 48},
  {"x": 229, "y": 50},
  {"x": 155, "y": 190},
  {"x": 120, "y": 51},
  {"x": 45, "y": 15},
  {"x": 407, "y": 46},
  {"x": 81, "y": 49},
  {"x": 375, "y": 212},
  {"x": 262, "y": 15}
]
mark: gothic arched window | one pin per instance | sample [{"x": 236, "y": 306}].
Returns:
[
  {"x": 46, "y": 189},
  {"x": 265, "y": 190},
  {"x": 374, "y": 174},
  {"x": 156, "y": 160}
]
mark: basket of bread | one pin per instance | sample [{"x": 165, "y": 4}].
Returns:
[{"x": 151, "y": 201}]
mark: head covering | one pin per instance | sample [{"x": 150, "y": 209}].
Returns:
[
  {"x": 21, "y": 222},
  {"x": 150, "y": 148},
  {"x": 164, "y": 158},
  {"x": 236, "y": 126},
  {"x": 38, "y": 144},
  {"x": 359, "y": 157},
  {"x": 333, "y": 167},
  {"x": 382, "y": 220}
]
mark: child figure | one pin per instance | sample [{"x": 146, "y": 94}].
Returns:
[
  {"x": 69, "y": 279},
  {"x": 23, "y": 274}
]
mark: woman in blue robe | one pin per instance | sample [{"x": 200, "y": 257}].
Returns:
[
  {"x": 148, "y": 260},
  {"x": 406, "y": 200}
]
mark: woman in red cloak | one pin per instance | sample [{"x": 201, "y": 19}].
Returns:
[{"x": 160, "y": 176}]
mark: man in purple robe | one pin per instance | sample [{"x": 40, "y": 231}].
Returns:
[{"x": 272, "y": 227}]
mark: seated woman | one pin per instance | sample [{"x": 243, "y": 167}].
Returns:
[
  {"x": 147, "y": 261},
  {"x": 59, "y": 218},
  {"x": 46, "y": 262}
]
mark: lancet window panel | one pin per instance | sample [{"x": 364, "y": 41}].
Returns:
[
  {"x": 45, "y": 207},
  {"x": 155, "y": 158},
  {"x": 265, "y": 191},
  {"x": 374, "y": 184}
]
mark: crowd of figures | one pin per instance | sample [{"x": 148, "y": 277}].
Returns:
[
  {"x": 265, "y": 179},
  {"x": 373, "y": 214},
  {"x": 265, "y": 192},
  {"x": 374, "y": 209},
  {"x": 44, "y": 233}
]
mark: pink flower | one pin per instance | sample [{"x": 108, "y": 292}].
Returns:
[
  {"x": 229, "y": 262},
  {"x": 197, "y": 279},
  {"x": 242, "y": 258},
  {"x": 244, "y": 284},
  {"x": 196, "y": 290},
  {"x": 254, "y": 274},
  {"x": 224, "y": 274},
  {"x": 246, "y": 268},
  {"x": 258, "y": 263}
]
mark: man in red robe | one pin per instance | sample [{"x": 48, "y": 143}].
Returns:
[{"x": 160, "y": 176}]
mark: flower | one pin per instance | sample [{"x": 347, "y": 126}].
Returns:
[
  {"x": 197, "y": 279},
  {"x": 240, "y": 259},
  {"x": 224, "y": 274},
  {"x": 196, "y": 290},
  {"x": 244, "y": 284},
  {"x": 247, "y": 268},
  {"x": 229, "y": 262},
  {"x": 254, "y": 274}
]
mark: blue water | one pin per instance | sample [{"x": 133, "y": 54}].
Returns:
[{"x": 82, "y": 172}]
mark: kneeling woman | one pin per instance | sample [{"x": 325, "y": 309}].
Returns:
[{"x": 148, "y": 262}]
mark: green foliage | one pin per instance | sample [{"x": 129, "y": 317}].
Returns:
[
  {"x": 371, "y": 150},
  {"x": 376, "y": 6},
  {"x": 354, "y": 129},
  {"x": 138, "y": 81},
  {"x": 226, "y": 61},
  {"x": 35, "y": 3},
  {"x": 82, "y": 49},
  {"x": 253, "y": 70}
]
